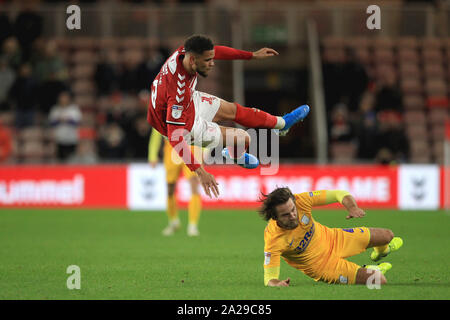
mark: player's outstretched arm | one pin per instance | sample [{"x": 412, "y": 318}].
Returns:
[
  {"x": 208, "y": 182},
  {"x": 352, "y": 207},
  {"x": 264, "y": 53},
  {"x": 279, "y": 283}
]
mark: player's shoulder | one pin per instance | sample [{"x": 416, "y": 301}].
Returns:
[
  {"x": 173, "y": 62},
  {"x": 308, "y": 195},
  {"x": 301, "y": 197},
  {"x": 272, "y": 230},
  {"x": 273, "y": 237}
]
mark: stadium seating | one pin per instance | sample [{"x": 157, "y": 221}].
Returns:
[{"x": 423, "y": 69}]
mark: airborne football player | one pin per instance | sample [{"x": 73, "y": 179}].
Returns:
[{"x": 189, "y": 117}]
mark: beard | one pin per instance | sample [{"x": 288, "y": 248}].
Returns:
[
  {"x": 292, "y": 225},
  {"x": 203, "y": 74},
  {"x": 289, "y": 225}
]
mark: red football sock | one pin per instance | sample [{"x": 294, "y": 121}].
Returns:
[{"x": 254, "y": 118}]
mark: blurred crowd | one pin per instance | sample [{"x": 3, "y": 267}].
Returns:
[
  {"x": 364, "y": 112},
  {"x": 36, "y": 89}
]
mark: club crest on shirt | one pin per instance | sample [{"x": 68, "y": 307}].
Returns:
[
  {"x": 177, "y": 111},
  {"x": 343, "y": 280},
  {"x": 305, "y": 219},
  {"x": 267, "y": 256}
]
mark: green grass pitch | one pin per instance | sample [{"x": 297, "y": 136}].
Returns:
[{"x": 122, "y": 255}]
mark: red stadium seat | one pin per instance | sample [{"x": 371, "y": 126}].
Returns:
[
  {"x": 419, "y": 147},
  {"x": 85, "y": 43},
  {"x": 83, "y": 57},
  {"x": 359, "y": 42},
  {"x": 438, "y": 132},
  {"x": 333, "y": 43},
  {"x": 34, "y": 133},
  {"x": 414, "y": 117},
  {"x": 83, "y": 71},
  {"x": 438, "y": 151},
  {"x": 409, "y": 70},
  {"x": 407, "y": 42},
  {"x": 414, "y": 102},
  {"x": 383, "y": 43},
  {"x": 407, "y": 56},
  {"x": 83, "y": 87},
  {"x": 416, "y": 130},
  {"x": 437, "y": 116},
  {"x": 430, "y": 43},
  {"x": 432, "y": 55},
  {"x": 438, "y": 102},
  {"x": 31, "y": 151},
  {"x": 420, "y": 158},
  {"x": 383, "y": 56},
  {"x": 363, "y": 55},
  {"x": 435, "y": 87},
  {"x": 433, "y": 70},
  {"x": 411, "y": 86}
]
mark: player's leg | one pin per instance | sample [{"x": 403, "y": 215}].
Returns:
[
  {"x": 255, "y": 118},
  {"x": 236, "y": 142},
  {"x": 247, "y": 117},
  {"x": 172, "y": 211},
  {"x": 173, "y": 171},
  {"x": 370, "y": 276},
  {"x": 383, "y": 242},
  {"x": 379, "y": 237},
  {"x": 207, "y": 133},
  {"x": 195, "y": 202},
  {"x": 341, "y": 271}
]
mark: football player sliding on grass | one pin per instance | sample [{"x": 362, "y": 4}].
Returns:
[{"x": 318, "y": 251}]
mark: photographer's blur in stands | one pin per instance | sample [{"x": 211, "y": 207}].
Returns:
[
  {"x": 23, "y": 97},
  {"x": 5, "y": 143},
  {"x": 388, "y": 96},
  {"x": 112, "y": 143},
  {"x": 366, "y": 127},
  {"x": 28, "y": 26},
  {"x": 393, "y": 144},
  {"x": 7, "y": 77},
  {"x": 65, "y": 118},
  {"x": 50, "y": 63},
  {"x": 341, "y": 128},
  {"x": 12, "y": 53}
]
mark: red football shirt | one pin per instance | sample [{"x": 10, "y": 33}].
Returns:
[{"x": 171, "y": 105}]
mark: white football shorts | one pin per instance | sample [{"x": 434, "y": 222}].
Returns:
[{"x": 205, "y": 133}]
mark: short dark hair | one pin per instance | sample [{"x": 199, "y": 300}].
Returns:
[
  {"x": 198, "y": 44},
  {"x": 270, "y": 201}
]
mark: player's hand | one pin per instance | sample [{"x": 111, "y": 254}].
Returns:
[
  {"x": 264, "y": 53},
  {"x": 153, "y": 163},
  {"x": 279, "y": 283},
  {"x": 208, "y": 182},
  {"x": 355, "y": 213}
]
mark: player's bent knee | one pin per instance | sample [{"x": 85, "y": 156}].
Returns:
[
  {"x": 389, "y": 235},
  {"x": 239, "y": 136},
  {"x": 244, "y": 136},
  {"x": 370, "y": 277},
  {"x": 227, "y": 111},
  {"x": 380, "y": 237}
]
